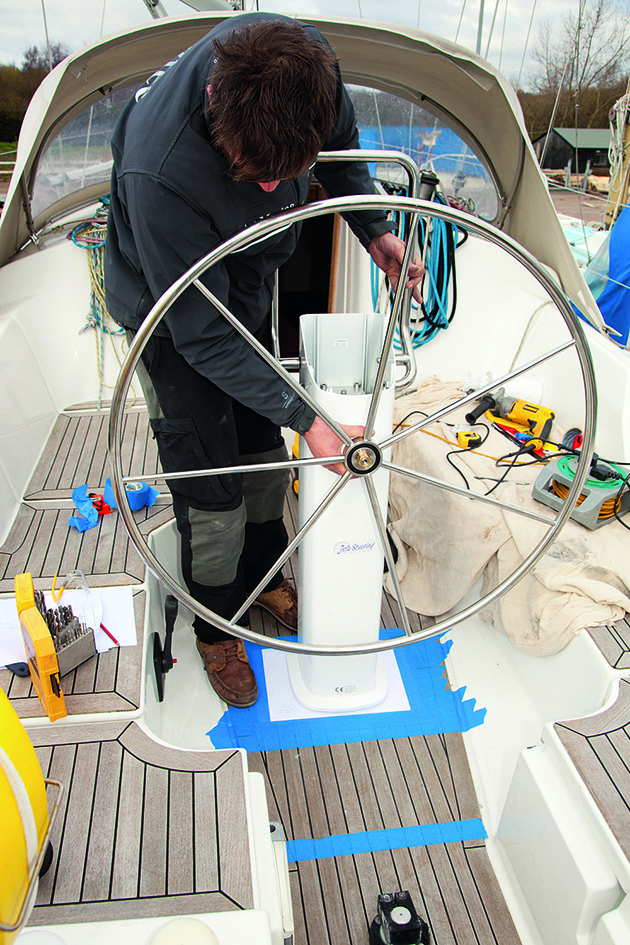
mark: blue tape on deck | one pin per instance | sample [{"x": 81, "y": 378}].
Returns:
[
  {"x": 138, "y": 494},
  {"x": 433, "y": 708},
  {"x": 396, "y": 838},
  {"x": 89, "y": 515}
]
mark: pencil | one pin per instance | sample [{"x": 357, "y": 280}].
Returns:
[{"x": 110, "y": 635}]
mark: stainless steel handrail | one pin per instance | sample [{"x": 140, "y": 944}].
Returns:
[
  {"x": 414, "y": 177},
  {"x": 31, "y": 889}
]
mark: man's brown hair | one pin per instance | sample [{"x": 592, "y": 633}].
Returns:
[{"x": 272, "y": 99}]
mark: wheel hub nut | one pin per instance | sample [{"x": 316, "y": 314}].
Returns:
[{"x": 363, "y": 458}]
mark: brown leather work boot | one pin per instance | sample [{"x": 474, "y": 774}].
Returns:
[
  {"x": 229, "y": 671},
  {"x": 282, "y": 602}
]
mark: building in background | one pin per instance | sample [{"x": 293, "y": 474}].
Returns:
[{"x": 590, "y": 144}]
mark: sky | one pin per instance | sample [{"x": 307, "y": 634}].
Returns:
[{"x": 76, "y": 23}]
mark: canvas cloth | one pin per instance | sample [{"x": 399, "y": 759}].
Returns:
[{"x": 447, "y": 542}]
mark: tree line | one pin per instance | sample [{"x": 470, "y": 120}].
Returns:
[
  {"x": 591, "y": 110},
  {"x": 17, "y": 85},
  {"x": 582, "y": 68}
]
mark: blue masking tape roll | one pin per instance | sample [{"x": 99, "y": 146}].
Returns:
[{"x": 139, "y": 494}]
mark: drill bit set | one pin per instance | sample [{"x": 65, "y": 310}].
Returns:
[
  {"x": 73, "y": 640},
  {"x": 55, "y": 642}
]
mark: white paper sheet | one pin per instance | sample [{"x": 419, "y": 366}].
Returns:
[
  {"x": 284, "y": 705},
  {"x": 111, "y": 606}
]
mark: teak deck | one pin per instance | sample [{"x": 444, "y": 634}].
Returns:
[
  {"x": 140, "y": 831},
  {"x": 613, "y": 642},
  {"x": 599, "y": 747},
  {"x": 371, "y": 786},
  {"x": 150, "y": 830}
]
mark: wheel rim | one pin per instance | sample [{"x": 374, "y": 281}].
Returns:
[{"x": 265, "y": 228}]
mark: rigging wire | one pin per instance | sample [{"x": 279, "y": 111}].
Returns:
[
  {"x": 576, "y": 93},
  {"x": 576, "y": 108},
  {"x": 595, "y": 196},
  {"x": 479, "y": 28},
  {"x": 554, "y": 112},
  {"x": 577, "y": 105},
  {"x": 503, "y": 33},
  {"x": 47, "y": 37},
  {"x": 569, "y": 58},
  {"x": 461, "y": 17},
  {"x": 494, "y": 16},
  {"x": 529, "y": 29}
]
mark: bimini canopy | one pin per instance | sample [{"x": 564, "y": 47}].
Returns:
[{"x": 433, "y": 73}]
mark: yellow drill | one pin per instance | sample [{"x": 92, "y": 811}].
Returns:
[{"x": 538, "y": 420}]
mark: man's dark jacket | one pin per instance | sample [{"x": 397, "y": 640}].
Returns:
[{"x": 173, "y": 200}]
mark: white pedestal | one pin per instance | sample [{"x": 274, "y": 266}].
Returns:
[{"x": 341, "y": 559}]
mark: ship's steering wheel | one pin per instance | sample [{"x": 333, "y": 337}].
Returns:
[{"x": 414, "y": 208}]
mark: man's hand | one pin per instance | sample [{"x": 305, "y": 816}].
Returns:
[
  {"x": 322, "y": 441},
  {"x": 387, "y": 251}
]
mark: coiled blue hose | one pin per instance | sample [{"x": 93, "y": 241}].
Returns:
[{"x": 428, "y": 319}]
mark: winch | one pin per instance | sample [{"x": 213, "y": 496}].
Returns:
[{"x": 397, "y": 922}]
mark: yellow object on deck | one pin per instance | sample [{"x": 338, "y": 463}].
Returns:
[
  {"x": 24, "y": 819},
  {"x": 40, "y": 649},
  {"x": 296, "y": 455}
]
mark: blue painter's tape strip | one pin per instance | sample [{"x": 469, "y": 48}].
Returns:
[
  {"x": 433, "y": 708},
  {"x": 396, "y": 838}
]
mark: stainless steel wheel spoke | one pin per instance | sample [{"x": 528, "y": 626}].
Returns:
[
  {"x": 387, "y": 551},
  {"x": 271, "y": 361},
  {"x": 289, "y": 464},
  {"x": 394, "y": 321},
  {"x": 336, "y": 489},
  {"x": 466, "y": 493},
  {"x": 476, "y": 394}
]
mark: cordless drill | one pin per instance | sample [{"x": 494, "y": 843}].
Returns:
[{"x": 537, "y": 419}]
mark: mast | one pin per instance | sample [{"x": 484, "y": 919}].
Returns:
[
  {"x": 480, "y": 28},
  {"x": 155, "y": 9},
  {"x": 619, "y": 158}
]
